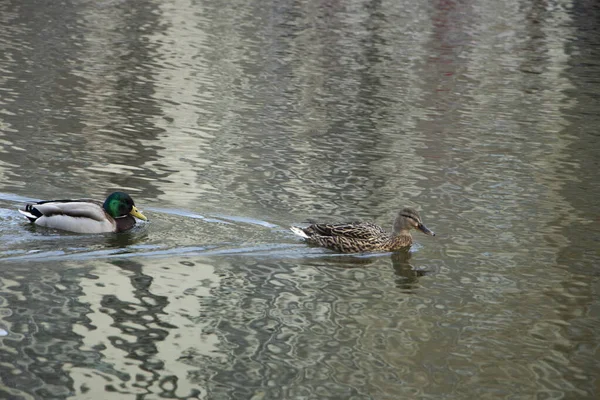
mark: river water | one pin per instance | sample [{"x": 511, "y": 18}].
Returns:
[{"x": 228, "y": 121}]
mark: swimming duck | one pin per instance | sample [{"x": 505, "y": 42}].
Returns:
[
  {"x": 359, "y": 237},
  {"x": 116, "y": 214}
]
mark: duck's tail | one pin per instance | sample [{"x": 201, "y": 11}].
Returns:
[
  {"x": 30, "y": 212},
  {"x": 299, "y": 232}
]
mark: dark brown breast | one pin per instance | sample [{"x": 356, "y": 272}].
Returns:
[{"x": 124, "y": 223}]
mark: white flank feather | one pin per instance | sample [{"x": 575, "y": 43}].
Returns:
[
  {"x": 299, "y": 232},
  {"x": 75, "y": 224}
]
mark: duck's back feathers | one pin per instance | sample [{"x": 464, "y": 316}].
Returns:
[
  {"x": 357, "y": 230},
  {"x": 84, "y": 208}
]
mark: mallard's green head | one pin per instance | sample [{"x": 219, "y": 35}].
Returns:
[
  {"x": 119, "y": 204},
  {"x": 409, "y": 218}
]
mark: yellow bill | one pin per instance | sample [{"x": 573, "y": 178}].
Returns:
[{"x": 138, "y": 214}]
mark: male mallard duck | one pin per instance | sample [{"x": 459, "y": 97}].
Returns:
[
  {"x": 359, "y": 237},
  {"x": 85, "y": 215}
]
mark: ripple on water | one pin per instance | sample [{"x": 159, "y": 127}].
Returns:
[{"x": 228, "y": 121}]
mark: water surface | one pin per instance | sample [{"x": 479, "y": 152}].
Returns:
[{"x": 229, "y": 121}]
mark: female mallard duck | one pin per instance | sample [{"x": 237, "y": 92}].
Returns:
[
  {"x": 85, "y": 215},
  {"x": 359, "y": 237}
]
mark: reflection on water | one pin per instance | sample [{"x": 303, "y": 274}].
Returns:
[{"x": 228, "y": 122}]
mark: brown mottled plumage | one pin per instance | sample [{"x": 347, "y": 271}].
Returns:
[{"x": 360, "y": 237}]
